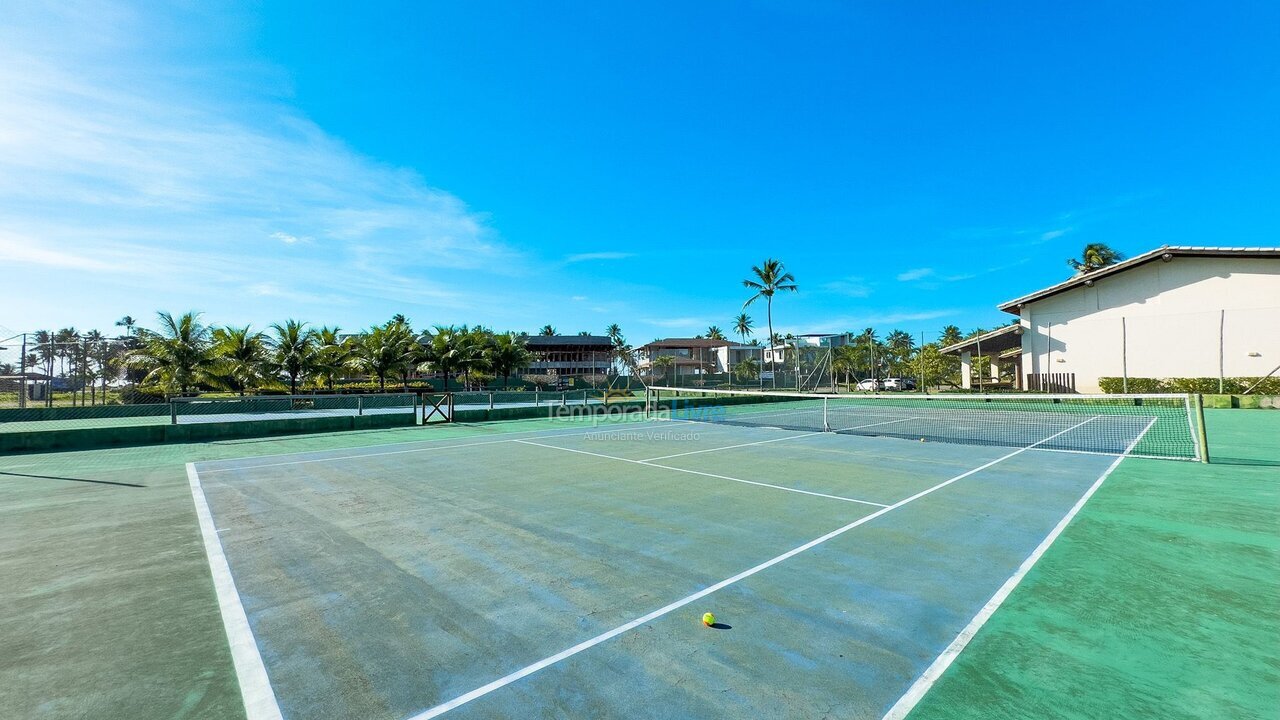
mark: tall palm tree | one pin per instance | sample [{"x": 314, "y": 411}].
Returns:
[
  {"x": 508, "y": 353},
  {"x": 614, "y": 333},
  {"x": 242, "y": 356},
  {"x": 293, "y": 351},
  {"x": 743, "y": 326},
  {"x": 547, "y": 331},
  {"x": 96, "y": 364},
  {"x": 128, "y": 323},
  {"x": 715, "y": 333},
  {"x": 1094, "y": 257},
  {"x": 901, "y": 346},
  {"x": 770, "y": 278},
  {"x": 177, "y": 357}
]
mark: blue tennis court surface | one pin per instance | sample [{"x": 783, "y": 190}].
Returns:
[{"x": 562, "y": 572}]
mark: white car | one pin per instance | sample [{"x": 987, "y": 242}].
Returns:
[{"x": 869, "y": 385}]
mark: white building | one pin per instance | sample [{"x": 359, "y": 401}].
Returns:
[{"x": 1173, "y": 312}]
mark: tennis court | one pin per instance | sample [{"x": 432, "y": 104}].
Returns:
[{"x": 563, "y": 571}]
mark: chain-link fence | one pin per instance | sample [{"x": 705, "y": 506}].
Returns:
[
  {"x": 49, "y": 370},
  {"x": 802, "y": 368}
]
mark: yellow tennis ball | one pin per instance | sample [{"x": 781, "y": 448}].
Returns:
[{"x": 708, "y": 619}]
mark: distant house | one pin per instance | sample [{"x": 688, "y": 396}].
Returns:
[
  {"x": 697, "y": 356},
  {"x": 1173, "y": 312},
  {"x": 569, "y": 355}
]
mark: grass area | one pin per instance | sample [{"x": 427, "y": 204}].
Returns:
[{"x": 1160, "y": 600}]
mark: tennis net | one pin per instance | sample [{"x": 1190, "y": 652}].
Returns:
[{"x": 1153, "y": 425}]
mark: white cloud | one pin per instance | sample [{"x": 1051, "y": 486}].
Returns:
[
  {"x": 916, "y": 274},
  {"x": 585, "y": 257},
  {"x": 288, "y": 239},
  {"x": 579, "y": 298}
]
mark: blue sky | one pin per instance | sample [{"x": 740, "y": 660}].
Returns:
[{"x": 586, "y": 163}]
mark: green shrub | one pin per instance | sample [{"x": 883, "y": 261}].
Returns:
[{"x": 1202, "y": 385}]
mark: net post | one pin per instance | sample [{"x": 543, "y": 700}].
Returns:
[
  {"x": 173, "y": 412},
  {"x": 536, "y": 399},
  {"x": 360, "y": 405},
  {"x": 1203, "y": 434},
  {"x": 826, "y": 424},
  {"x": 490, "y": 401}
]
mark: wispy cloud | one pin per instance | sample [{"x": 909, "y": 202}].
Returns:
[
  {"x": 916, "y": 274},
  {"x": 112, "y": 154},
  {"x": 680, "y": 322},
  {"x": 878, "y": 320},
  {"x": 854, "y": 287},
  {"x": 587, "y": 257}
]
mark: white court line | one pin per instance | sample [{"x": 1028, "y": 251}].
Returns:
[
  {"x": 255, "y": 687},
  {"x": 546, "y": 433},
  {"x": 587, "y": 644},
  {"x": 773, "y": 440},
  {"x": 704, "y": 474},
  {"x": 916, "y": 692}
]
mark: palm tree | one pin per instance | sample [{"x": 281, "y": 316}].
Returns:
[
  {"x": 241, "y": 355},
  {"x": 743, "y": 325},
  {"x": 901, "y": 346},
  {"x": 444, "y": 353},
  {"x": 294, "y": 351},
  {"x": 950, "y": 335},
  {"x": 614, "y": 333},
  {"x": 715, "y": 333},
  {"x": 332, "y": 355},
  {"x": 1094, "y": 257},
  {"x": 747, "y": 369},
  {"x": 509, "y": 353},
  {"x": 770, "y": 278},
  {"x": 127, "y": 322},
  {"x": 96, "y": 354},
  {"x": 177, "y": 357},
  {"x": 665, "y": 362},
  {"x": 383, "y": 350},
  {"x": 547, "y": 331}
]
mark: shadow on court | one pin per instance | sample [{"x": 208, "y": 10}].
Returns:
[{"x": 72, "y": 479}]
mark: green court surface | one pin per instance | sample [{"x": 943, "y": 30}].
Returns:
[{"x": 558, "y": 569}]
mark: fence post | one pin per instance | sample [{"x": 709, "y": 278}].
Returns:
[
  {"x": 1204, "y": 435},
  {"x": 359, "y": 405}
]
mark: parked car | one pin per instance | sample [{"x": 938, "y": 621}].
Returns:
[
  {"x": 899, "y": 384},
  {"x": 869, "y": 385}
]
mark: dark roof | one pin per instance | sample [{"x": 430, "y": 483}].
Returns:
[
  {"x": 1005, "y": 338},
  {"x": 1172, "y": 251},
  {"x": 569, "y": 340},
  {"x": 685, "y": 343}
]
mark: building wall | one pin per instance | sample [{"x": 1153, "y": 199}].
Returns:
[{"x": 1190, "y": 317}]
